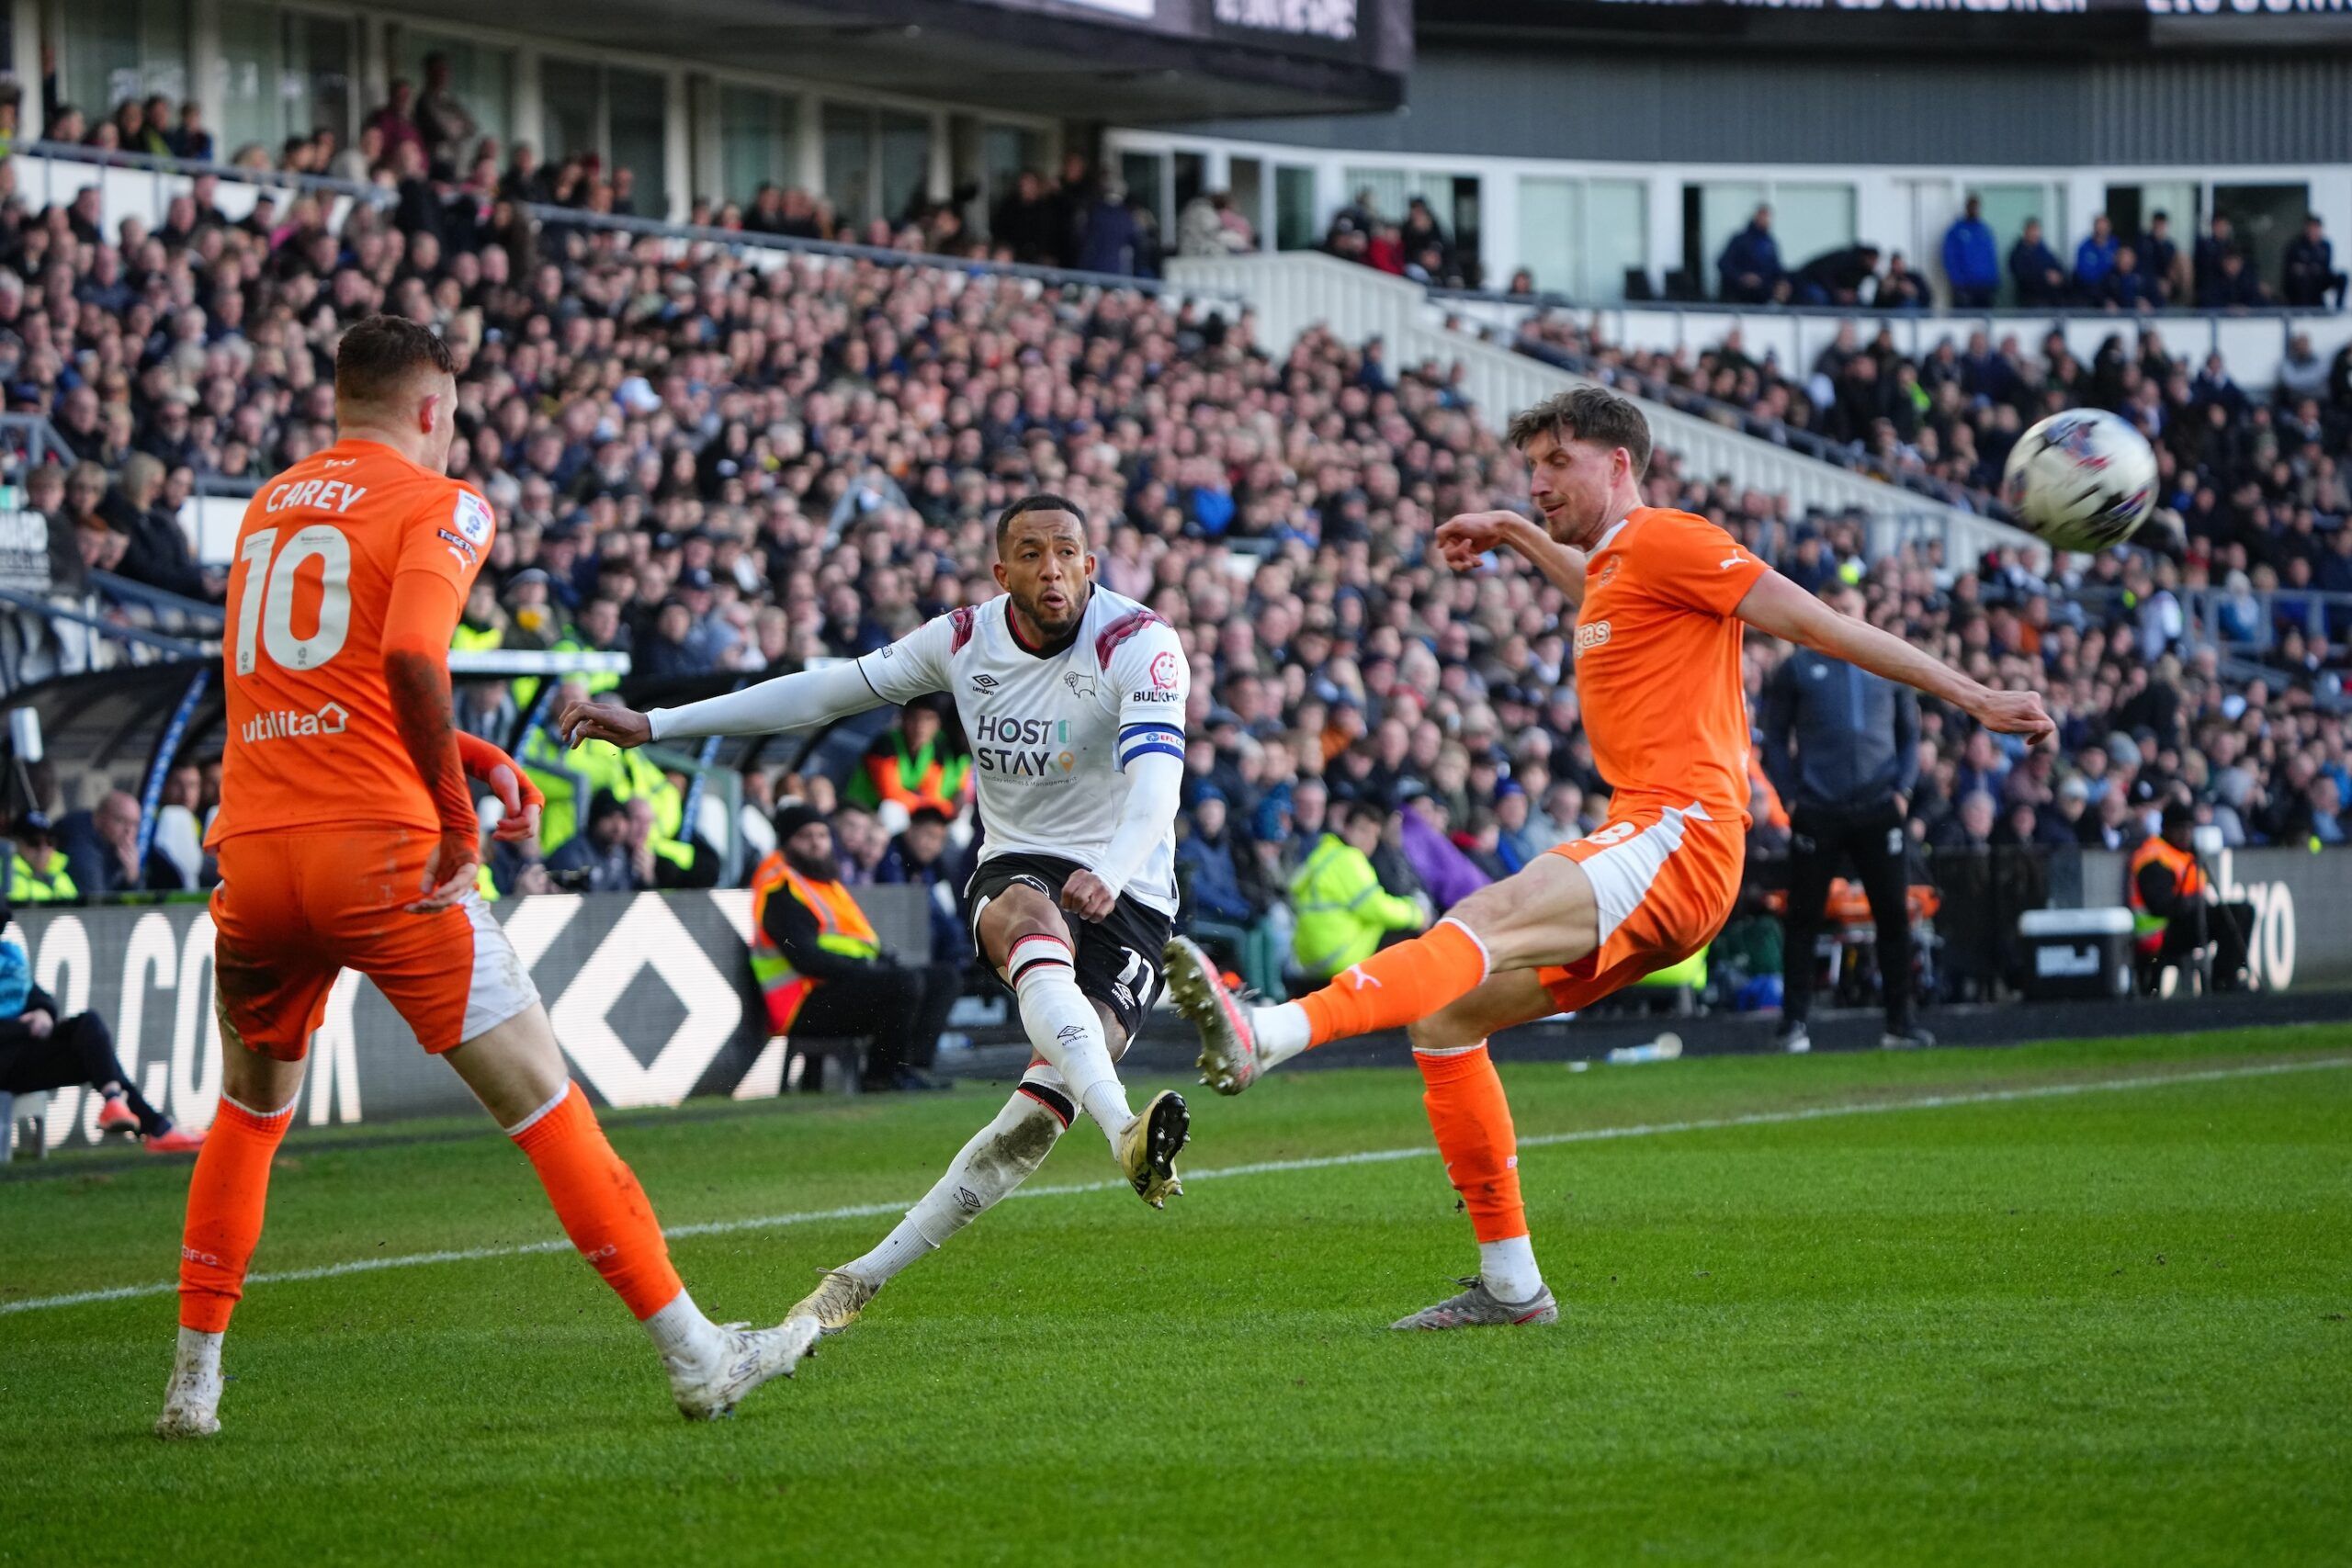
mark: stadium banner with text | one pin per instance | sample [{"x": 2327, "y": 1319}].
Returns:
[
  {"x": 1377, "y": 33},
  {"x": 650, "y": 994},
  {"x": 24, "y": 545}
]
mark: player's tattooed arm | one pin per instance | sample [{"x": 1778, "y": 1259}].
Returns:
[
  {"x": 1778, "y": 605},
  {"x": 1465, "y": 538}
]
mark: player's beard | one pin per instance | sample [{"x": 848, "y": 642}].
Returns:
[
  {"x": 1054, "y": 631},
  {"x": 816, "y": 868}
]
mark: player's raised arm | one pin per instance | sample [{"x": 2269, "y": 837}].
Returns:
[
  {"x": 1773, "y": 604},
  {"x": 1464, "y": 540},
  {"x": 1154, "y": 683},
  {"x": 906, "y": 669}
]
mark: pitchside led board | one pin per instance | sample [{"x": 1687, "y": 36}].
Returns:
[{"x": 650, "y": 993}]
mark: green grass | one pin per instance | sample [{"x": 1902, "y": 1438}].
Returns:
[{"x": 2096, "y": 1328}]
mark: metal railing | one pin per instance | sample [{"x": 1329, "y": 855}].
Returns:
[{"x": 39, "y": 158}]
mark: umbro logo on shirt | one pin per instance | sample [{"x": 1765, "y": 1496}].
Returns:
[{"x": 984, "y": 682}]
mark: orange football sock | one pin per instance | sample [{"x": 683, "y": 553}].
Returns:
[
  {"x": 225, "y": 1199},
  {"x": 1399, "y": 985},
  {"x": 1471, "y": 1121},
  {"x": 596, "y": 1196}
]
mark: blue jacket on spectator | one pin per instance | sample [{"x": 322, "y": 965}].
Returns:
[
  {"x": 1751, "y": 251},
  {"x": 2029, "y": 268},
  {"x": 1971, "y": 260},
  {"x": 1215, "y": 881},
  {"x": 2094, "y": 259}
]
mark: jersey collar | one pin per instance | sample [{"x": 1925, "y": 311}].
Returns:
[{"x": 1049, "y": 650}]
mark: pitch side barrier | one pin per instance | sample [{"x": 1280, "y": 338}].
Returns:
[{"x": 650, "y": 993}]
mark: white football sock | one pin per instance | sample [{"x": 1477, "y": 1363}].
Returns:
[
  {"x": 1066, "y": 1031},
  {"x": 198, "y": 1351},
  {"x": 1282, "y": 1032},
  {"x": 1508, "y": 1268},
  {"x": 681, "y": 1332},
  {"x": 1000, "y": 1156}
]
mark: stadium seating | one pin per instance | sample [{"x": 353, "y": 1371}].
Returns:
[{"x": 765, "y": 453}]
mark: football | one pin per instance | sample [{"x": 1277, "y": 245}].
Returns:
[{"x": 2082, "y": 481}]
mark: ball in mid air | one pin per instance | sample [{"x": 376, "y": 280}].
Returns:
[{"x": 2082, "y": 481}]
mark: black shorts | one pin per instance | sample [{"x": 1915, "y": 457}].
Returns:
[{"x": 1118, "y": 957}]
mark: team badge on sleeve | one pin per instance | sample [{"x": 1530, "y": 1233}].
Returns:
[{"x": 474, "y": 519}]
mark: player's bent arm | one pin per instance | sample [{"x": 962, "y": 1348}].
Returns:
[
  {"x": 1777, "y": 606},
  {"x": 417, "y": 625},
  {"x": 1155, "y": 785},
  {"x": 1562, "y": 564},
  {"x": 789, "y": 702}
]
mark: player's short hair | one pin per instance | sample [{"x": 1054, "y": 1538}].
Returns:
[
  {"x": 1586, "y": 413},
  {"x": 1038, "y": 501},
  {"x": 378, "y": 354}
]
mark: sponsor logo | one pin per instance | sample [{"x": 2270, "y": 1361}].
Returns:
[
  {"x": 1592, "y": 635},
  {"x": 280, "y": 724},
  {"x": 1006, "y": 731},
  {"x": 1731, "y": 561},
  {"x": 1153, "y": 697},
  {"x": 984, "y": 682},
  {"x": 1067, "y": 760},
  {"x": 459, "y": 545},
  {"x": 1356, "y": 979},
  {"x": 969, "y": 1200},
  {"x": 1021, "y": 748},
  {"x": 473, "y": 517},
  {"x": 1163, "y": 672}
]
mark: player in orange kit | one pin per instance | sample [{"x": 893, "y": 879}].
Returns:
[
  {"x": 1662, "y": 600},
  {"x": 348, "y": 839}
]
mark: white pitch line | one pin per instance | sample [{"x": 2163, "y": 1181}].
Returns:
[{"x": 1256, "y": 1168}]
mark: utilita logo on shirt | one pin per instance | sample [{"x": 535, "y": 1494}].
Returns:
[{"x": 277, "y": 724}]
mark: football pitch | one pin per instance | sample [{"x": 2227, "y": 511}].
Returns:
[{"x": 2085, "y": 1302}]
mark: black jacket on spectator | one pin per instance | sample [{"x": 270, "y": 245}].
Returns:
[{"x": 1837, "y": 738}]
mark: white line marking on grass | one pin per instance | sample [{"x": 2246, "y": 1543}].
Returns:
[{"x": 1256, "y": 1168}]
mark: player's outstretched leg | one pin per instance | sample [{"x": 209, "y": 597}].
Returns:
[
  {"x": 1023, "y": 935},
  {"x": 1471, "y": 1121},
  {"x": 516, "y": 1071},
  {"x": 1000, "y": 1156},
  {"x": 1544, "y": 915}
]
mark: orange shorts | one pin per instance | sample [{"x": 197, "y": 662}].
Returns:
[
  {"x": 1666, "y": 878},
  {"x": 294, "y": 911}
]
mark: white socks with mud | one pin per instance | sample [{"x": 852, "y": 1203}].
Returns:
[
  {"x": 683, "y": 1334},
  {"x": 1282, "y": 1032},
  {"x": 1063, "y": 1028},
  {"x": 1509, "y": 1269},
  {"x": 1000, "y": 1156}
]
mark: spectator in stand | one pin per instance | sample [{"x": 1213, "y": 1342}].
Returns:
[
  {"x": 43, "y": 1047},
  {"x": 918, "y": 857},
  {"x": 2126, "y": 288},
  {"x": 1901, "y": 289},
  {"x": 2094, "y": 259},
  {"x": 1110, "y": 237},
  {"x": 2162, "y": 259},
  {"x": 1225, "y": 894},
  {"x": 1202, "y": 229},
  {"x": 2310, "y": 275},
  {"x": 38, "y": 873},
  {"x": 1749, "y": 268},
  {"x": 101, "y": 847},
  {"x": 915, "y": 763},
  {"x": 156, "y": 550},
  {"x": 1972, "y": 259},
  {"x": 395, "y": 123},
  {"x": 1841, "y": 276},
  {"x": 2231, "y": 286},
  {"x": 1343, "y": 913},
  {"x": 2219, "y": 240},
  {"x": 1023, "y": 222},
  {"x": 598, "y": 858},
  {"x": 441, "y": 121},
  {"x": 1421, "y": 230}
]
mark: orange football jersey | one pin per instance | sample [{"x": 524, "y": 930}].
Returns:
[
  {"x": 1658, "y": 662},
  {"x": 311, "y": 736}
]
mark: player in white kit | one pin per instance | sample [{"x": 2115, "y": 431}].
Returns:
[{"x": 1073, "y": 698}]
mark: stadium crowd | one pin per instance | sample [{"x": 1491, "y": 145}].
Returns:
[
  {"x": 730, "y": 462},
  {"x": 2250, "y": 482}
]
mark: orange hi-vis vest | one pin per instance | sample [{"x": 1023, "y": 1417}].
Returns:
[
  {"x": 2187, "y": 874},
  {"x": 842, "y": 927}
]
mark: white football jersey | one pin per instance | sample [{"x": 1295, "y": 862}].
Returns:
[{"x": 1051, "y": 735}]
